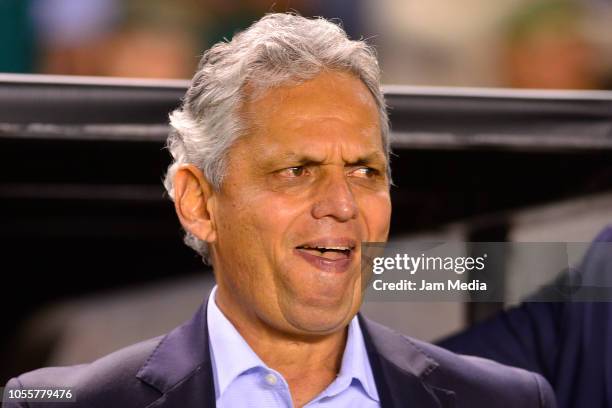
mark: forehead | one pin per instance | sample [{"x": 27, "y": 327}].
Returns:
[{"x": 334, "y": 108}]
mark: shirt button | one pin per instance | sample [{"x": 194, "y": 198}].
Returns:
[{"x": 271, "y": 379}]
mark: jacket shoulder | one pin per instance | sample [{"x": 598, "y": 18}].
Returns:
[
  {"x": 479, "y": 380},
  {"x": 108, "y": 380},
  {"x": 466, "y": 380}
]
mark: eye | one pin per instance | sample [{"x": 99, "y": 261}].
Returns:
[
  {"x": 365, "y": 172},
  {"x": 292, "y": 172}
]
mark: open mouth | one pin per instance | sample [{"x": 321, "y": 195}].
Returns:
[{"x": 332, "y": 253}]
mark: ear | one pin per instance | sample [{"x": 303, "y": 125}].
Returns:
[{"x": 194, "y": 200}]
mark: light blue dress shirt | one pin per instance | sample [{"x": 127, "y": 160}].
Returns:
[{"x": 243, "y": 380}]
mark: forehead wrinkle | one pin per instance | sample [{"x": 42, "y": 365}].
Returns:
[
  {"x": 334, "y": 124},
  {"x": 311, "y": 150},
  {"x": 373, "y": 156}
]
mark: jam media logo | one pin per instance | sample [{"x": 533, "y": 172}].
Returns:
[
  {"x": 432, "y": 271},
  {"x": 509, "y": 272}
]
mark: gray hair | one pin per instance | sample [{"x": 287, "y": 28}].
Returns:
[{"x": 279, "y": 49}]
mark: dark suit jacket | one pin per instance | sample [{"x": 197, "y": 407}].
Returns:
[
  {"x": 569, "y": 343},
  {"x": 175, "y": 371}
]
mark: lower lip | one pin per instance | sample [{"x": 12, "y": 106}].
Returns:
[{"x": 324, "y": 264}]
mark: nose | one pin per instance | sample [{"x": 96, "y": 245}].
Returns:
[{"x": 335, "y": 199}]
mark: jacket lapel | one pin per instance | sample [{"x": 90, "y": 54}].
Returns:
[
  {"x": 180, "y": 366},
  {"x": 400, "y": 370}
]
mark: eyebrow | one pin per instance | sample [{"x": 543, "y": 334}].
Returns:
[{"x": 303, "y": 159}]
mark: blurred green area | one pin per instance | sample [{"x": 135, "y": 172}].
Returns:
[{"x": 17, "y": 45}]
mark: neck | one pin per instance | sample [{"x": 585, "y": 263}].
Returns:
[{"x": 308, "y": 363}]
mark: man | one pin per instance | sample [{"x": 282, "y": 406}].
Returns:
[{"x": 281, "y": 170}]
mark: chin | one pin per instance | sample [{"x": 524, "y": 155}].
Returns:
[{"x": 320, "y": 318}]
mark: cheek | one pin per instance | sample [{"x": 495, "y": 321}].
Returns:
[
  {"x": 376, "y": 210},
  {"x": 258, "y": 224},
  {"x": 275, "y": 215},
  {"x": 242, "y": 250},
  {"x": 237, "y": 237}
]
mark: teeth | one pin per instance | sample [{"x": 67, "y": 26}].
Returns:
[{"x": 336, "y": 248}]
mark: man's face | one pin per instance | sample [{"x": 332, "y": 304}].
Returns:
[{"x": 303, "y": 189}]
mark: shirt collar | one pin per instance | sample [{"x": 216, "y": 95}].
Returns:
[
  {"x": 355, "y": 362},
  {"x": 231, "y": 355}
]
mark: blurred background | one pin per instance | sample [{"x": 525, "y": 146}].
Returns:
[
  {"x": 507, "y": 43},
  {"x": 92, "y": 258}
]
